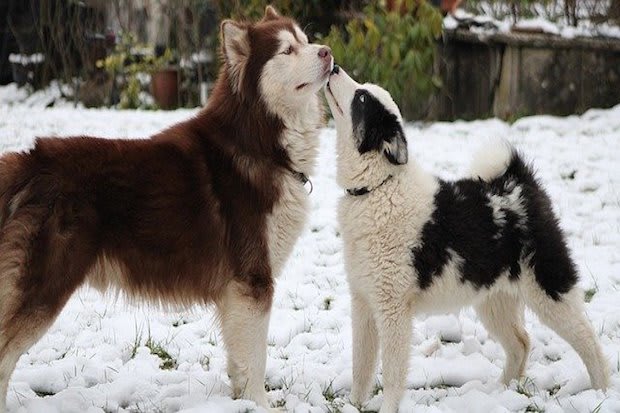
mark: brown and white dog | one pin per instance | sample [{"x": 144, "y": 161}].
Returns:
[{"x": 206, "y": 211}]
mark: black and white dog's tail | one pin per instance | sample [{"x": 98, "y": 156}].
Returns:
[
  {"x": 500, "y": 163},
  {"x": 492, "y": 160}
]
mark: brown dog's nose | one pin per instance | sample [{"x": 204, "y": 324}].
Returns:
[{"x": 325, "y": 52}]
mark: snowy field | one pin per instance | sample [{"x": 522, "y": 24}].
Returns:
[{"x": 106, "y": 356}]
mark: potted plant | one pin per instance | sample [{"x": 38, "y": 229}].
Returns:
[
  {"x": 134, "y": 66},
  {"x": 164, "y": 80}
]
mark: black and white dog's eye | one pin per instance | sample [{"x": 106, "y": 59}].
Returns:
[
  {"x": 362, "y": 98},
  {"x": 288, "y": 51}
]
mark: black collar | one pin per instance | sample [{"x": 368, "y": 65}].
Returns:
[
  {"x": 364, "y": 190},
  {"x": 303, "y": 178}
]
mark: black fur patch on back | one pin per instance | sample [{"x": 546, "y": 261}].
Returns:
[
  {"x": 373, "y": 124},
  {"x": 486, "y": 243},
  {"x": 548, "y": 253}
]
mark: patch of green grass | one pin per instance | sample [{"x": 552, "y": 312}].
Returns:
[
  {"x": 213, "y": 340},
  {"x": 329, "y": 392},
  {"x": 598, "y": 407},
  {"x": 43, "y": 393},
  {"x": 569, "y": 175},
  {"x": 441, "y": 386},
  {"x": 553, "y": 391},
  {"x": 137, "y": 342},
  {"x": 157, "y": 348},
  {"x": 552, "y": 358},
  {"x": 179, "y": 322},
  {"x": 284, "y": 385},
  {"x": 282, "y": 355},
  {"x": 589, "y": 293},
  {"x": 378, "y": 388},
  {"x": 526, "y": 387},
  {"x": 205, "y": 362},
  {"x": 144, "y": 407},
  {"x": 534, "y": 408},
  {"x": 167, "y": 361},
  {"x": 335, "y": 406}
]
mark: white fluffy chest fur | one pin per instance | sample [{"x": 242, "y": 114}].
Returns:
[
  {"x": 300, "y": 136},
  {"x": 287, "y": 219},
  {"x": 380, "y": 228},
  {"x": 379, "y": 231}
]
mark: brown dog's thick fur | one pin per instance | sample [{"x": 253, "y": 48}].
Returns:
[{"x": 179, "y": 218}]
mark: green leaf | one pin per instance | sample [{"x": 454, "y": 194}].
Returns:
[{"x": 394, "y": 51}]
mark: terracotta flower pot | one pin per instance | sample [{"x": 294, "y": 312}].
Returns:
[{"x": 165, "y": 88}]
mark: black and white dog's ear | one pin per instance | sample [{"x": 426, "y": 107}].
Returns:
[{"x": 395, "y": 148}]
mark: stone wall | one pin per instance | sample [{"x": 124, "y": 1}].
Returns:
[{"x": 516, "y": 74}]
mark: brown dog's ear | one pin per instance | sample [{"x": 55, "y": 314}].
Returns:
[
  {"x": 236, "y": 51},
  {"x": 271, "y": 13}
]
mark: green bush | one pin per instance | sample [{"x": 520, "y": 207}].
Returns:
[
  {"x": 130, "y": 61},
  {"x": 392, "y": 50}
]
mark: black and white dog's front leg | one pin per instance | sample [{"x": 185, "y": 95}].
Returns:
[
  {"x": 365, "y": 347},
  {"x": 394, "y": 321}
]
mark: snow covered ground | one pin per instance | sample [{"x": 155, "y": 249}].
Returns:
[{"x": 105, "y": 356}]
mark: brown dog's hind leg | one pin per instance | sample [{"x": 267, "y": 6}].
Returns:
[{"x": 41, "y": 265}]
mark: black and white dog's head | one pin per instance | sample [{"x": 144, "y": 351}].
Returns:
[
  {"x": 368, "y": 115},
  {"x": 369, "y": 125}
]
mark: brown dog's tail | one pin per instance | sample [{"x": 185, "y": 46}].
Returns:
[{"x": 12, "y": 169}]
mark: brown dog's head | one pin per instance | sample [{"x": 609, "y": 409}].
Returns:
[{"x": 273, "y": 59}]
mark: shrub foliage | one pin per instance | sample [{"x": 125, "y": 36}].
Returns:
[{"x": 394, "y": 49}]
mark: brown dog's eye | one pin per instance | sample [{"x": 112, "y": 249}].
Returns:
[{"x": 288, "y": 51}]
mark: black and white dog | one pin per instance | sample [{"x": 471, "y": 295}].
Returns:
[{"x": 414, "y": 243}]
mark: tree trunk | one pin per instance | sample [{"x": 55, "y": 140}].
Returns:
[
  {"x": 614, "y": 11},
  {"x": 570, "y": 10}
]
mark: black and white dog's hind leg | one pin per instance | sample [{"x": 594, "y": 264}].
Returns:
[
  {"x": 503, "y": 316},
  {"x": 567, "y": 318},
  {"x": 547, "y": 279}
]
